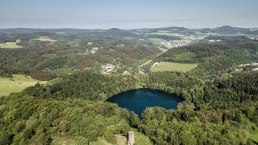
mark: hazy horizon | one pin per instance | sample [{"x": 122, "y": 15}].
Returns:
[
  {"x": 133, "y": 14},
  {"x": 124, "y": 28}
]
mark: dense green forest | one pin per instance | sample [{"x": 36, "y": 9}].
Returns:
[
  {"x": 88, "y": 86},
  {"x": 220, "y": 112},
  {"x": 33, "y": 120}
]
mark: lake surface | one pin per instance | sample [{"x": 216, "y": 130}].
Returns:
[{"x": 138, "y": 100}]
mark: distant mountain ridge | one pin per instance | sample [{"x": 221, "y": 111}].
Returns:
[
  {"x": 227, "y": 30},
  {"x": 115, "y": 32}
]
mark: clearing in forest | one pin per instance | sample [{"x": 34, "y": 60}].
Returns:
[
  {"x": 170, "y": 66},
  {"x": 11, "y": 45},
  {"x": 16, "y": 84},
  {"x": 45, "y": 38}
]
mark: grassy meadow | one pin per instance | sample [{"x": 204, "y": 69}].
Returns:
[
  {"x": 15, "y": 84},
  {"x": 11, "y": 45},
  {"x": 45, "y": 39},
  {"x": 170, "y": 66}
]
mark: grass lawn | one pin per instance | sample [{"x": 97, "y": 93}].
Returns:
[
  {"x": 169, "y": 66},
  {"x": 157, "y": 40},
  {"x": 45, "y": 38},
  {"x": 11, "y": 45},
  {"x": 16, "y": 84}
]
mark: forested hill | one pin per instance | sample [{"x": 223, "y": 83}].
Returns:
[
  {"x": 60, "y": 53},
  {"x": 87, "y": 85},
  {"x": 202, "y": 51},
  {"x": 214, "y": 58},
  {"x": 220, "y": 112}
]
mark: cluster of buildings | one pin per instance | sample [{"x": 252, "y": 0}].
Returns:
[
  {"x": 254, "y": 64},
  {"x": 126, "y": 73},
  {"x": 255, "y": 69},
  {"x": 90, "y": 43},
  {"x": 91, "y": 51},
  {"x": 172, "y": 44},
  {"x": 108, "y": 68},
  {"x": 212, "y": 41},
  {"x": 156, "y": 64},
  {"x": 250, "y": 64},
  {"x": 185, "y": 41},
  {"x": 253, "y": 37},
  {"x": 94, "y": 50},
  {"x": 192, "y": 37}
]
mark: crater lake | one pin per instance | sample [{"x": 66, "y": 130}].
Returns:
[{"x": 139, "y": 99}]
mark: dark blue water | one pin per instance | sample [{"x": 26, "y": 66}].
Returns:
[{"x": 138, "y": 100}]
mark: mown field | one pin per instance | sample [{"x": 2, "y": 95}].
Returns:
[
  {"x": 11, "y": 45},
  {"x": 45, "y": 38},
  {"x": 169, "y": 66},
  {"x": 15, "y": 84}
]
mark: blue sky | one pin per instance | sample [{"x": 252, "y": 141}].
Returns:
[{"x": 127, "y": 14}]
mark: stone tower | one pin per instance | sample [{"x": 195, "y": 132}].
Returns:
[{"x": 131, "y": 138}]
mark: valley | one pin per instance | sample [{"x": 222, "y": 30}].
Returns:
[{"x": 56, "y": 87}]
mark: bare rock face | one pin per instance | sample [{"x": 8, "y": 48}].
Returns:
[{"x": 131, "y": 140}]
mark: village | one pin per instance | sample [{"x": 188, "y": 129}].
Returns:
[
  {"x": 185, "y": 41},
  {"x": 110, "y": 68},
  {"x": 254, "y": 66}
]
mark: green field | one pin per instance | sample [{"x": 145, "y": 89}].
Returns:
[
  {"x": 45, "y": 38},
  {"x": 11, "y": 45},
  {"x": 157, "y": 40},
  {"x": 169, "y": 66},
  {"x": 15, "y": 84}
]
